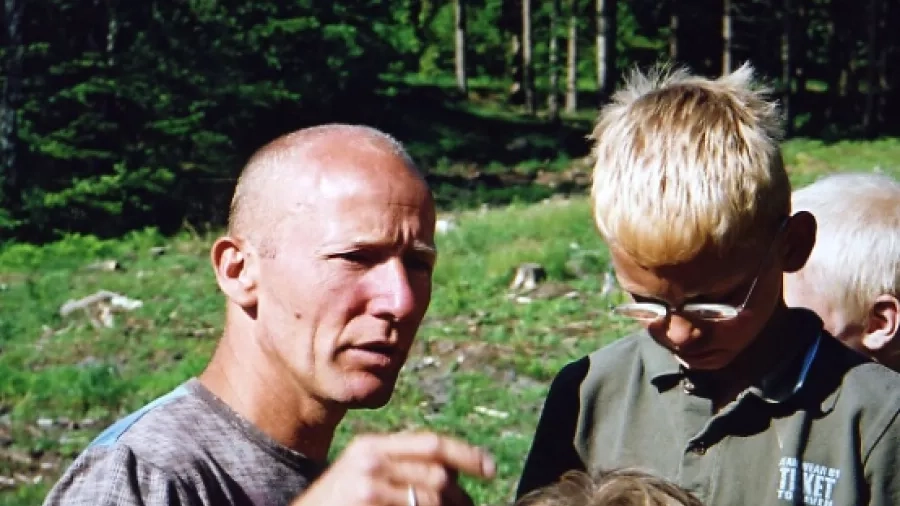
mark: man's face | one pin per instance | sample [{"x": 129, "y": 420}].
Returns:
[
  {"x": 343, "y": 292},
  {"x": 699, "y": 344}
]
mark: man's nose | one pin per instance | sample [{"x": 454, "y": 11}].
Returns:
[
  {"x": 393, "y": 294},
  {"x": 681, "y": 331}
]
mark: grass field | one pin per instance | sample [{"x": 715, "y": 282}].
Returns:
[{"x": 479, "y": 370}]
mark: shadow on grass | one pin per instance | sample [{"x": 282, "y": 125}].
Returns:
[
  {"x": 478, "y": 152},
  {"x": 439, "y": 129}
]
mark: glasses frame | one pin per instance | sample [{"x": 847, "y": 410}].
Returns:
[{"x": 723, "y": 312}]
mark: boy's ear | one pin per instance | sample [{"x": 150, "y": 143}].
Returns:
[
  {"x": 799, "y": 239},
  {"x": 883, "y": 323}
]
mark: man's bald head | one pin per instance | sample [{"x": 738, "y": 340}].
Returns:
[{"x": 302, "y": 159}]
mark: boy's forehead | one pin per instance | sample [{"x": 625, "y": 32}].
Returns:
[{"x": 705, "y": 273}]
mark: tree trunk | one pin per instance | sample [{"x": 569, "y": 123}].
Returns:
[
  {"x": 112, "y": 31},
  {"x": 420, "y": 15},
  {"x": 787, "y": 66},
  {"x": 873, "y": 87},
  {"x": 553, "y": 51},
  {"x": 511, "y": 27},
  {"x": 572, "y": 59},
  {"x": 461, "y": 77},
  {"x": 10, "y": 101},
  {"x": 527, "y": 64},
  {"x": 726, "y": 37},
  {"x": 837, "y": 64},
  {"x": 888, "y": 45},
  {"x": 673, "y": 30},
  {"x": 517, "y": 90},
  {"x": 799, "y": 43},
  {"x": 606, "y": 47}
]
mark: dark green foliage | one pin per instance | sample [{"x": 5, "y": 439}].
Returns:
[{"x": 134, "y": 109}]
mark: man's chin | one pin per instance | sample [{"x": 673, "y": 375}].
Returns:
[
  {"x": 373, "y": 401},
  {"x": 369, "y": 394}
]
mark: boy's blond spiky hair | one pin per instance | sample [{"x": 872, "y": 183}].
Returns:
[{"x": 684, "y": 163}]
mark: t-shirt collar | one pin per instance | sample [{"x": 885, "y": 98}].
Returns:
[{"x": 785, "y": 380}]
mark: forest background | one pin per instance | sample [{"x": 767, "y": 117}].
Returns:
[{"x": 116, "y": 115}]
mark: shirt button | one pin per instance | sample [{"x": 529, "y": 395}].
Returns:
[
  {"x": 699, "y": 448},
  {"x": 688, "y": 386}
]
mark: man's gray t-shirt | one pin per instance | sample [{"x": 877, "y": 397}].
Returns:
[{"x": 185, "y": 448}]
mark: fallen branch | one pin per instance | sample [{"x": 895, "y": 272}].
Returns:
[{"x": 104, "y": 303}]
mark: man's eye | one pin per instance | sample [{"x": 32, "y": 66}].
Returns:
[
  {"x": 419, "y": 264},
  {"x": 359, "y": 257}
]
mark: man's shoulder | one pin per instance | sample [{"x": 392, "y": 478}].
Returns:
[
  {"x": 184, "y": 447},
  {"x": 155, "y": 455},
  {"x": 167, "y": 433},
  {"x": 114, "y": 474}
]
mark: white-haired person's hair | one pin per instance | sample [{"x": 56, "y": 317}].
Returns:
[
  {"x": 856, "y": 256},
  {"x": 684, "y": 163}
]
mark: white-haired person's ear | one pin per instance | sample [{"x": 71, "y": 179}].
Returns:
[{"x": 883, "y": 323}]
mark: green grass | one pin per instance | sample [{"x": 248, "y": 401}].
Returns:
[
  {"x": 808, "y": 159},
  {"x": 79, "y": 377}
]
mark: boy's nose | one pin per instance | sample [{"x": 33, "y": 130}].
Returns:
[{"x": 681, "y": 331}]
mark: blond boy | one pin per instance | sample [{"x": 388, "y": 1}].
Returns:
[
  {"x": 725, "y": 391},
  {"x": 852, "y": 278}
]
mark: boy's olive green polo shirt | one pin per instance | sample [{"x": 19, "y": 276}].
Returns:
[{"x": 821, "y": 430}]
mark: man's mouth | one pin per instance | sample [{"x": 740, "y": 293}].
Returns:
[{"x": 372, "y": 354}]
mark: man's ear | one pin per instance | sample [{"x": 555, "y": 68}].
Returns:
[
  {"x": 236, "y": 265},
  {"x": 799, "y": 239},
  {"x": 883, "y": 323}
]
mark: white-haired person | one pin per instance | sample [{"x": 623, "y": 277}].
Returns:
[{"x": 852, "y": 277}]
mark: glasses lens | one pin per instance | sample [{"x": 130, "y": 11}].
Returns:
[
  {"x": 711, "y": 312},
  {"x": 641, "y": 311}
]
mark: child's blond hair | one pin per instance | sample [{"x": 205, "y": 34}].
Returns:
[
  {"x": 685, "y": 163},
  {"x": 619, "y": 487}
]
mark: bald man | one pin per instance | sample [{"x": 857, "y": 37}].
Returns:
[{"x": 326, "y": 270}]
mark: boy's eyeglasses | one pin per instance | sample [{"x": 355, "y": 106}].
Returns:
[{"x": 650, "y": 312}]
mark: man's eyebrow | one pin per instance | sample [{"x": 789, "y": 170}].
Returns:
[
  {"x": 425, "y": 248},
  {"x": 418, "y": 246}
]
